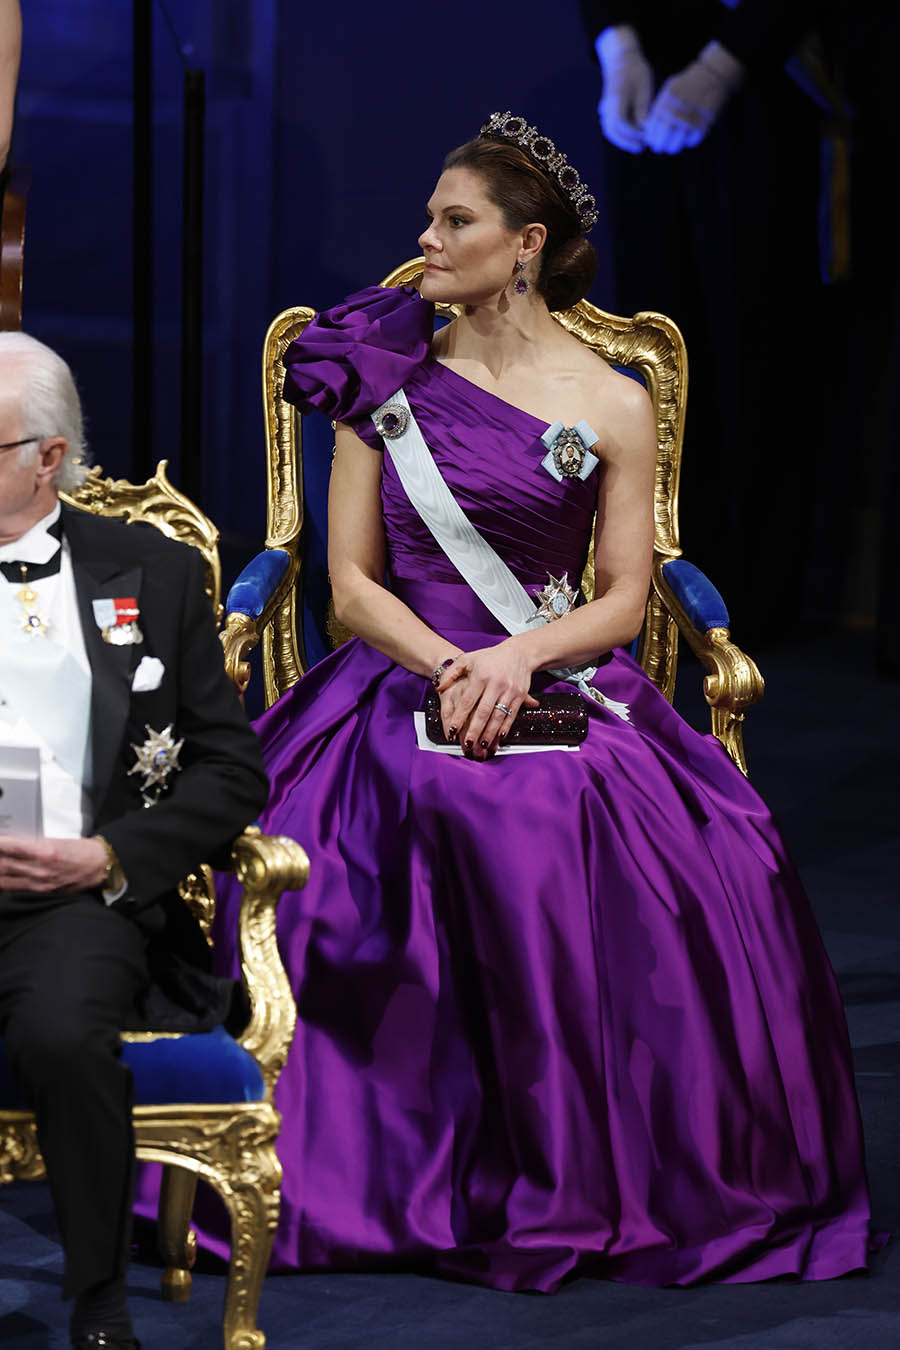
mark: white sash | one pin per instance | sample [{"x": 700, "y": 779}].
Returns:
[{"x": 472, "y": 556}]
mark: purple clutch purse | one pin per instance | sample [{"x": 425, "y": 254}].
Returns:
[{"x": 562, "y": 719}]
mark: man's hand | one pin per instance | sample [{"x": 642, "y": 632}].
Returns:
[
  {"x": 688, "y": 104},
  {"x": 44, "y": 865},
  {"x": 627, "y": 87}
]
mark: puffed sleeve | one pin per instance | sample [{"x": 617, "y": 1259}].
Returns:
[{"x": 354, "y": 356}]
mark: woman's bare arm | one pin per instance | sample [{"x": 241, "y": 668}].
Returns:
[
  {"x": 10, "y": 50},
  {"x": 356, "y": 561}
]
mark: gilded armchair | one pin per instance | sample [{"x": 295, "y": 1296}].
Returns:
[
  {"x": 204, "y": 1102},
  {"x": 267, "y": 601}
]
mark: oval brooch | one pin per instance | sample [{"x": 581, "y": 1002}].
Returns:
[{"x": 392, "y": 421}]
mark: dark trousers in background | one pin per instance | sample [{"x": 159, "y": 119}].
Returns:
[
  {"x": 723, "y": 239},
  {"x": 69, "y": 972}
]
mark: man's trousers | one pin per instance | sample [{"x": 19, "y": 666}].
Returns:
[{"x": 70, "y": 969}]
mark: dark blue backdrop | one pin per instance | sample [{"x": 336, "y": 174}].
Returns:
[{"x": 326, "y": 129}]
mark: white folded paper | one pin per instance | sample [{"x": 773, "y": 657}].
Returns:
[
  {"x": 425, "y": 744},
  {"x": 21, "y": 811}
]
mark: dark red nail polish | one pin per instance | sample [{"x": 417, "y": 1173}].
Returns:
[
  {"x": 484, "y": 745},
  {"x": 469, "y": 744}
]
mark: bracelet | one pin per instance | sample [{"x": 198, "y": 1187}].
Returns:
[
  {"x": 114, "y": 878},
  {"x": 438, "y": 673}
]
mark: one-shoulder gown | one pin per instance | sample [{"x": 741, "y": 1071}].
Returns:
[{"x": 557, "y": 1011}]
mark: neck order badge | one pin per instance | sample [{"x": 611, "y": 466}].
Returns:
[{"x": 33, "y": 621}]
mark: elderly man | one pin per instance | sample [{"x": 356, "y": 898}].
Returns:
[{"x": 112, "y": 673}]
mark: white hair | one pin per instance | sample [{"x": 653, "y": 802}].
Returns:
[{"x": 49, "y": 404}]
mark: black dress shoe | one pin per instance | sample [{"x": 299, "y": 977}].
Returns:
[{"x": 102, "y": 1340}]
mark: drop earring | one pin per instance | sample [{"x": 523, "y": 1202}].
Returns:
[{"x": 521, "y": 285}]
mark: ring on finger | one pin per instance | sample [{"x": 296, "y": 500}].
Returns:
[{"x": 501, "y": 707}]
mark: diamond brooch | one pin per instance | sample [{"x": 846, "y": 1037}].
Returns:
[{"x": 392, "y": 421}]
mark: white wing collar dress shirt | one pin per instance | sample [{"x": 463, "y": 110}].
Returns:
[{"x": 64, "y": 794}]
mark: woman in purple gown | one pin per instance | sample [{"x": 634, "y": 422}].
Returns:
[{"x": 557, "y": 1011}]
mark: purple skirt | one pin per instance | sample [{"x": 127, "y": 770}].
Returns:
[{"x": 556, "y": 1011}]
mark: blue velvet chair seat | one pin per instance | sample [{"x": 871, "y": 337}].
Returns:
[{"x": 208, "y": 1067}]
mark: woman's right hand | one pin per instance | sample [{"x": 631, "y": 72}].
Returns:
[{"x": 473, "y": 687}]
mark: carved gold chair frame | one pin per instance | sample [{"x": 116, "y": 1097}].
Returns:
[
  {"x": 230, "y": 1145},
  {"x": 650, "y": 344}
]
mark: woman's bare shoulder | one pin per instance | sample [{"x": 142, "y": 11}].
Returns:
[{"x": 609, "y": 390}]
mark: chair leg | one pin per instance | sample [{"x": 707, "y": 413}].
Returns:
[
  {"x": 177, "y": 1240},
  {"x": 253, "y": 1201}
]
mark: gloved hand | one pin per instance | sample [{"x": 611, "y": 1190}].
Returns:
[
  {"x": 627, "y": 87},
  {"x": 688, "y": 104}
]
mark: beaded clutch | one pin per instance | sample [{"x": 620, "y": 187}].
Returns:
[{"x": 562, "y": 719}]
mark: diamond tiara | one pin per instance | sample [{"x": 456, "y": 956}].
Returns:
[{"x": 506, "y": 126}]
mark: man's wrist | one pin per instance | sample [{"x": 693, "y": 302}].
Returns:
[
  {"x": 616, "y": 42},
  {"x": 113, "y": 883},
  {"x": 719, "y": 62}
]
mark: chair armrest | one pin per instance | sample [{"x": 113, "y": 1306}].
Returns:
[
  {"x": 249, "y": 606},
  {"x": 266, "y": 865},
  {"x": 733, "y": 682}
]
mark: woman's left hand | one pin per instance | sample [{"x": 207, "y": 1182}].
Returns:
[{"x": 481, "y": 693}]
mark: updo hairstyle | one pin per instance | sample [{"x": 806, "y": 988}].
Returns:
[{"x": 524, "y": 193}]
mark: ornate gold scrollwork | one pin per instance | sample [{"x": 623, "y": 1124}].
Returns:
[
  {"x": 198, "y": 891},
  {"x": 266, "y": 865},
  {"x": 157, "y": 503},
  {"x": 20, "y": 1157},
  {"x": 233, "y": 1148},
  {"x": 282, "y": 643},
  {"x": 239, "y": 637}
]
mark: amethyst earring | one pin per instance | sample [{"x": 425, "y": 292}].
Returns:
[{"x": 521, "y": 285}]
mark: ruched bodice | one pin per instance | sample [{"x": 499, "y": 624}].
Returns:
[{"x": 489, "y": 454}]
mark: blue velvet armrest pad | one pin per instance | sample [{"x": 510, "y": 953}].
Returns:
[
  {"x": 257, "y": 583},
  {"x": 207, "y": 1067},
  {"x": 697, "y": 596}
]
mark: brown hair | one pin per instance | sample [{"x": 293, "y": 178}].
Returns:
[{"x": 524, "y": 193}]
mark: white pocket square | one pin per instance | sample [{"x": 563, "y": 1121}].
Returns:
[{"x": 148, "y": 675}]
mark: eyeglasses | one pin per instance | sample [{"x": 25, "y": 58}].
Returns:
[{"x": 26, "y": 440}]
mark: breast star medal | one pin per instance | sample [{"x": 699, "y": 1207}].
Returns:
[
  {"x": 32, "y": 621},
  {"x": 156, "y": 759},
  {"x": 556, "y": 599}
]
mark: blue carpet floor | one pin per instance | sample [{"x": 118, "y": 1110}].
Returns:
[{"x": 825, "y": 747}]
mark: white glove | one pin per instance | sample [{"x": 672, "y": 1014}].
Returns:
[
  {"x": 627, "y": 87},
  {"x": 688, "y": 103}
]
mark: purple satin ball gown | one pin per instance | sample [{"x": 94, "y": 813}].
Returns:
[{"x": 556, "y": 1011}]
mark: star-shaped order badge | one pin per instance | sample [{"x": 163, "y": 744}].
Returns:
[
  {"x": 156, "y": 759},
  {"x": 556, "y": 599}
]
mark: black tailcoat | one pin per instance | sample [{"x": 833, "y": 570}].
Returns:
[{"x": 220, "y": 786}]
